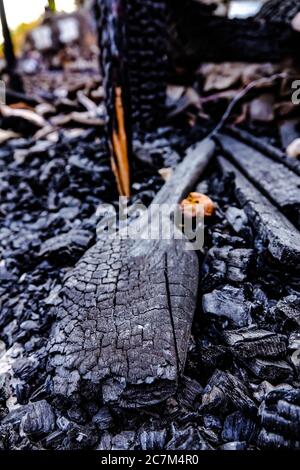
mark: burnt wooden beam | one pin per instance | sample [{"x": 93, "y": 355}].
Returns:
[
  {"x": 274, "y": 179},
  {"x": 282, "y": 239},
  {"x": 280, "y": 11},
  {"x": 205, "y": 37},
  {"x": 273, "y": 152},
  {"x": 124, "y": 321}
]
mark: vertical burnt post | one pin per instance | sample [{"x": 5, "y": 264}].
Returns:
[
  {"x": 133, "y": 48},
  {"x": 9, "y": 53},
  {"x": 147, "y": 62},
  {"x": 111, "y": 17}
]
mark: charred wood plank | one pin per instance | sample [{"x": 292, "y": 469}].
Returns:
[
  {"x": 123, "y": 325},
  {"x": 280, "y": 235},
  {"x": 280, "y": 11},
  {"x": 252, "y": 342},
  {"x": 230, "y": 303},
  {"x": 272, "y": 152},
  {"x": 222, "y": 389},
  {"x": 274, "y": 371},
  {"x": 280, "y": 419},
  {"x": 205, "y": 37},
  {"x": 288, "y": 309},
  {"x": 274, "y": 179}
]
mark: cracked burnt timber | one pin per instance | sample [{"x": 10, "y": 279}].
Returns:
[
  {"x": 204, "y": 36},
  {"x": 280, "y": 236},
  {"x": 124, "y": 321},
  {"x": 269, "y": 176}
]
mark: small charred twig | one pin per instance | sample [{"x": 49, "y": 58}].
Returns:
[{"x": 13, "y": 96}]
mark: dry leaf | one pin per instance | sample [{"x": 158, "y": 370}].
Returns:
[
  {"x": 253, "y": 72},
  {"x": 261, "y": 109},
  {"x": 7, "y": 135},
  {"x": 220, "y": 77},
  {"x": 75, "y": 118},
  {"x": 25, "y": 114},
  {"x": 196, "y": 203}
]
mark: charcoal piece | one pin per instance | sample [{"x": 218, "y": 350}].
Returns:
[
  {"x": 189, "y": 392},
  {"x": 223, "y": 239},
  {"x": 271, "y": 440},
  {"x": 15, "y": 416},
  {"x": 66, "y": 247},
  {"x": 5, "y": 393},
  {"x": 280, "y": 419},
  {"x": 54, "y": 440},
  {"x": 234, "y": 446},
  {"x": 228, "y": 302},
  {"x": 10, "y": 440},
  {"x": 282, "y": 238},
  {"x": 212, "y": 356},
  {"x": 187, "y": 438},
  {"x": 223, "y": 388},
  {"x": 103, "y": 419},
  {"x": 5, "y": 275},
  {"x": 210, "y": 436},
  {"x": 152, "y": 439},
  {"x": 252, "y": 342},
  {"x": 30, "y": 325},
  {"x": 80, "y": 437},
  {"x": 281, "y": 185},
  {"x": 212, "y": 422},
  {"x": 105, "y": 442},
  {"x": 77, "y": 414},
  {"x": 42, "y": 392},
  {"x": 26, "y": 368},
  {"x": 5, "y": 390},
  {"x": 2, "y": 348},
  {"x": 123, "y": 329},
  {"x": 270, "y": 370},
  {"x": 226, "y": 264},
  {"x": 126, "y": 440},
  {"x": 294, "y": 341},
  {"x": 288, "y": 308},
  {"x": 236, "y": 218},
  {"x": 38, "y": 420},
  {"x": 238, "y": 427}
]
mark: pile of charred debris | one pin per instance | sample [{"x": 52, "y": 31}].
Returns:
[{"x": 118, "y": 344}]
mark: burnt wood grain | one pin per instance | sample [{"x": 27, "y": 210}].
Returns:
[
  {"x": 281, "y": 237},
  {"x": 124, "y": 321},
  {"x": 274, "y": 179}
]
